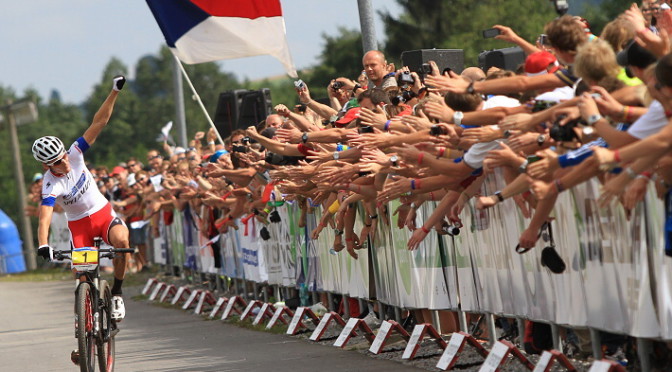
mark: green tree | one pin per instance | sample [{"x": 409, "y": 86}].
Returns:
[{"x": 457, "y": 24}]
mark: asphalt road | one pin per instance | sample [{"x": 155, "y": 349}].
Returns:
[{"x": 37, "y": 334}]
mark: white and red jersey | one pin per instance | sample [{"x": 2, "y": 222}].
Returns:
[{"x": 75, "y": 191}]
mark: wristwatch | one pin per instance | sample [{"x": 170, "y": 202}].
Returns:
[
  {"x": 592, "y": 119},
  {"x": 338, "y": 232},
  {"x": 499, "y": 196},
  {"x": 507, "y": 133},
  {"x": 304, "y": 137},
  {"x": 541, "y": 139},
  {"x": 523, "y": 167},
  {"x": 394, "y": 160},
  {"x": 457, "y": 117},
  {"x": 336, "y": 155}
]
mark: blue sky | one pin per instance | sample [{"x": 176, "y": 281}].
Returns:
[{"x": 65, "y": 44}]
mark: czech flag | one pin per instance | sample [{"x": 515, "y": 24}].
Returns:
[{"x": 200, "y": 31}]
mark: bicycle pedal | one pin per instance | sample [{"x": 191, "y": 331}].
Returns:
[{"x": 74, "y": 357}]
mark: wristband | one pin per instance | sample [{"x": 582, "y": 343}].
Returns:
[
  {"x": 631, "y": 173},
  {"x": 646, "y": 175},
  {"x": 413, "y": 184},
  {"x": 373, "y": 217},
  {"x": 211, "y": 143},
  {"x": 225, "y": 196},
  {"x": 387, "y": 125},
  {"x": 559, "y": 186},
  {"x": 442, "y": 150},
  {"x": 424, "y": 229},
  {"x": 617, "y": 156},
  {"x": 431, "y": 195},
  {"x": 421, "y": 155}
]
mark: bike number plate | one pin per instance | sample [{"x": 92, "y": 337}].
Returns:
[{"x": 85, "y": 259}]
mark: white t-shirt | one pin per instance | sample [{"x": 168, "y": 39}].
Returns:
[
  {"x": 651, "y": 122},
  {"x": 75, "y": 191},
  {"x": 476, "y": 154}
]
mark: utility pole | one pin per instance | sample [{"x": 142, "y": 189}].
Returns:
[
  {"x": 179, "y": 106},
  {"x": 367, "y": 25},
  {"x": 26, "y": 228}
]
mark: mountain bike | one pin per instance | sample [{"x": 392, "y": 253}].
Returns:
[{"x": 94, "y": 327}]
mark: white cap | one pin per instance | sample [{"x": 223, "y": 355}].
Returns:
[
  {"x": 130, "y": 180},
  {"x": 179, "y": 150}
]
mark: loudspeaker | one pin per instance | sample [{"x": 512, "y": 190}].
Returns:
[
  {"x": 238, "y": 109},
  {"x": 506, "y": 58},
  {"x": 453, "y": 58},
  {"x": 255, "y": 106},
  {"x": 226, "y": 114}
]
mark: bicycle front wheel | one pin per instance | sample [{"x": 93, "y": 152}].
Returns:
[
  {"x": 107, "y": 330},
  {"x": 84, "y": 311}
]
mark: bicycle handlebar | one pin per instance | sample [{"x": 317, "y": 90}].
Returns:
[{"x": 104, "y": 252}]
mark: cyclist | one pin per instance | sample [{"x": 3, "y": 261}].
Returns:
[{"x": 69, "y": 183}]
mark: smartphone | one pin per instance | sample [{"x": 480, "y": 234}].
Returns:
[
  {"x": 491, "y": 32},
  {"x": 426, "y": 69},
  {"x": 543, "y": 39},
  {"x": 365, "y": 129},
  {"x": 436, "y": 130},
  {"x": 533, "y": 158}
]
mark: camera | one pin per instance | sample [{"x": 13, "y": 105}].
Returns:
[
  {"x": 406, "y": 79},
  {"x": 543, "y": 39},
  {"x": 561, "y": 6},
  {"x": 245, "y": 140},
  {"x": 436, "y": 130},
  {"x": 277, "y": 159},
  {"x": 365, "y": 129},
  {"x": 541, "y": 105},
  {"x": 491, "y": 32},
  {"x": 299, "y": 84},
  {"x": 564, "y": 133},
  {"x": 449, "y": 229},
  {"x": 425, "y": 69},
  {"x": 337, "y": 85},
  {"x": 240, "y": 148},
  {"x": 405, "y": 96}
]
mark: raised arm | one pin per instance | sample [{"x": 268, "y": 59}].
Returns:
[{"x": 103, "y": 114}]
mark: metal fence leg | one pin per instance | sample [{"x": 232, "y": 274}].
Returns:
[
  {"x": 492, "y": 331},
  {"x": 330, "y": 299},
  {"x": 557, "y": 342},
  {"x": 360, "y": 302},
  {"x": 520, "y": 322},
  {"x": 315, "y": 298},
  {"x": 596, "y": 343},
  {"x": 644, "y": 350},
  {"x": 397, "y": 314},
  {"x": 436, "y": 320},
  {"x": 255, "y": 290},
  {"x": 382, "y": 311},
  {"x": 346, "y": 307},
  {"x": 265, "y": 293},
  {"x": 462, "y": 318}
]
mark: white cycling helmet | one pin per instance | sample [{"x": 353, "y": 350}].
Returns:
[{"x": 47, "y": 149}]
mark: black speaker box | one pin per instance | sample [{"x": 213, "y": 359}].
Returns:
[
  {"x": 238, "y": 109},
  {"x": 453, "y": 58},
  {"x": 226, "y": 114},
  {"x": 255, "y": 106},
  {"x": 506, "y": 58}
]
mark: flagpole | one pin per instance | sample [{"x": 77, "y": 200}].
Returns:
[{"x": 198, "y": 98}]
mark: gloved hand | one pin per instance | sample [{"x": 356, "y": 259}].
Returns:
[
  {"x": 46, "y": 252},
  {"x": 118, "y": 82},
  {"x": 274, "y": 216}
]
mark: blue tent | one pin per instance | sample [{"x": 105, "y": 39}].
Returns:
[{"x": 11, "y": 253}]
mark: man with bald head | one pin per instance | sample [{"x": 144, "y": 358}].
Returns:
[
  {"x": 375, "y": 68},
  {"x": 274, "y": 121}
]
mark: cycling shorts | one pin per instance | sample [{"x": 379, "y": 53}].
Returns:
[{"x": 83, "y": 231}]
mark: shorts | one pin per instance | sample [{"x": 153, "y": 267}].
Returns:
[
  {"x": 83, "y": 231},
  {"x": 137, "y": 236}
]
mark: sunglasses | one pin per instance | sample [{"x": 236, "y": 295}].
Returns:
[
  {"x": 57, "y": 162},
  {"x": 132, "y": 165},
  {"x": 154, "y": 157},
  {"x": 143, "y": 179}
]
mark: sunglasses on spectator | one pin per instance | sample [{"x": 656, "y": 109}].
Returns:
[
  {"x": 154, "y": 157},
  {"x": 192, "y": 158},
  {"x": 143, "y": 179},
  {"x": 181, "y": 158},
  {"x": 57, "y": 162},
  {"x": 132, "y": 165}
]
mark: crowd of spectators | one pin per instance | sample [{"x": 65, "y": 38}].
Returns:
[{"x": 581, "y": 106}]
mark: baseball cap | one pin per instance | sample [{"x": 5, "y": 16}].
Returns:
[
  {"x": 179, "y": 150},
  {"x": 349, "y": 116},
  {"x": 635, "y": 55},
  {"x": 217, "y": 155},
  {"x": 117, "y": 170},
  {"x": 37, "y": 177},
  {"x": 130, "y": 180},
  {"x": 537, "y": 63}
]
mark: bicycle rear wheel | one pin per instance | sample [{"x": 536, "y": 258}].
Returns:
[
  {"x": 107, "y": 330},
  {"x": 84, "y": 311}
]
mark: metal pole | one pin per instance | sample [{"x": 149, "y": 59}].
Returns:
[
  {"x": 462, "y": 318},
  {"x": 436, "y": 320},
  {"x": 492, "y": 331},
  {"x": 24, "y": 220},
  {"x": 555, "y": 333},
  {"x": 366, "y": 23},
  {"x": 596, "y": 343},
  {"x": 330, "y": 299},
  {"x": 644, "y": 350},
  {"x": 346, "y": 306},
  {"x": 198, "y": 99},
  {"x": 180, "y": 119}
]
